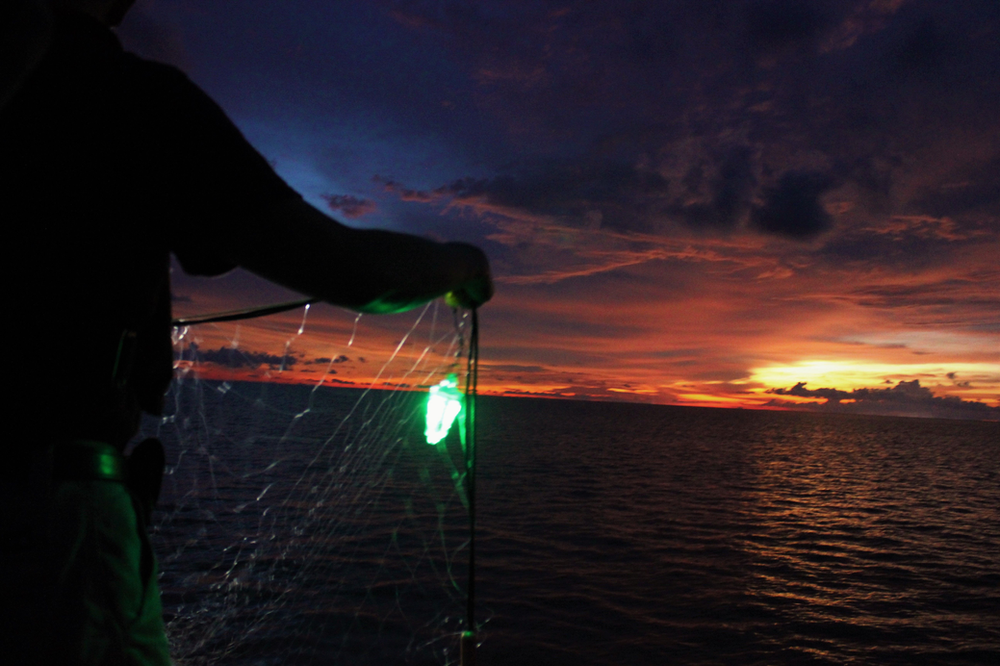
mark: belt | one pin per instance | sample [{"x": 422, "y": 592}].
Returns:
[{"x": 87, "y": 460}]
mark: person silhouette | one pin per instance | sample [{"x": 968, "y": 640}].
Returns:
[{"x": 109, "y": 164}]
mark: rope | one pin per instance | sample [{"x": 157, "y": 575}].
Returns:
[
  {"x": 248, "y": 313},
  {"x": 471, "y": 386}
]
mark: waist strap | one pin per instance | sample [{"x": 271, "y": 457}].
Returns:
[{"x": 86, "y": 460}]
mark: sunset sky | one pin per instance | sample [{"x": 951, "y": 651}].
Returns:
[{"x": 737, "y": 203}]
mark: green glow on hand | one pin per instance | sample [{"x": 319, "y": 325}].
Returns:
[{"x": 443, "y": 405}]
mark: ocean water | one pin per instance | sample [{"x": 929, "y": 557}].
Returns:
[{"x": 607, "y": 534}]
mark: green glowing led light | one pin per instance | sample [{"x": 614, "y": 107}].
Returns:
[{"x": 443, "y": 405}]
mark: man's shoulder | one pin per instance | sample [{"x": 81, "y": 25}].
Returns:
[
  {"x": 152, "y": 78},
  {"x": 86, "y": 69},
  {"x": 163, "y": 104}
]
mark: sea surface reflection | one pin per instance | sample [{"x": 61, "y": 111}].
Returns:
[{"x": 608, "y": 534}]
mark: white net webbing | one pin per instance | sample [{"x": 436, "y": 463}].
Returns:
[{"x": 304, "y": 518}]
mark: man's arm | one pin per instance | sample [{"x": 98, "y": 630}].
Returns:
[
  {"x": 223, "y": 192},
  {"x": 364, "y": 270}
]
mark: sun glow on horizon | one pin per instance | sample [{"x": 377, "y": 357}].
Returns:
[
  {"x": 707, "y": 399},
  {"x": 846, "y": 376}
]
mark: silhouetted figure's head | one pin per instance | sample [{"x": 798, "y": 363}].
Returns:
[{"x": 108, "y": 12}]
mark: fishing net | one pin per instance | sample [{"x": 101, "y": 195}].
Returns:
[{"x": 304, "y": 518}]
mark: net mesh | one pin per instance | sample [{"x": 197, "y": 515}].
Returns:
[{"x": 304, "y": 518}]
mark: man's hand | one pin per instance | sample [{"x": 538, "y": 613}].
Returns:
[{"x": 479, "y": 286}]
